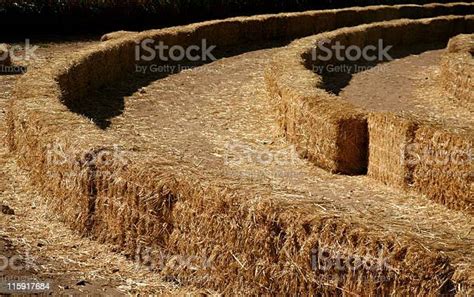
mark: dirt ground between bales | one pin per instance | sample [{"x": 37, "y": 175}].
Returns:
[
  {"x": 44, "y": 250},
  {"x": 410, "y": 85}
]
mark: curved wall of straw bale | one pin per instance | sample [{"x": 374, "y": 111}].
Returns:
[
  {"x": 423, "y": 157},
  {"x": 457, "y": 70},
  {"x": 335, "y": 135},
  {"x": 132, "y": 204},
  {"x": 110, "y": 61},
  {"x": 116, "y": 35}
]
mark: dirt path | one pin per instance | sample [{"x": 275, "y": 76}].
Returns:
[
  {"x": 216, "y": 120},
  {"x": 410, "y": 85},
  {"x": 44, "y": 250}
]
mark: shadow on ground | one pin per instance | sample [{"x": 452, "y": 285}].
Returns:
[
  {"x": 337, "y": 76},
  {"x": 108, "y": 102}
]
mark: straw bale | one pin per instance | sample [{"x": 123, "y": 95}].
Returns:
[
  {"x": 237, "y": 30},
  {"x": 225, "y": 33},
  {"x": 116, "y": 35},
  {"x": 5, "y": 59},
  {"x": 461, "y": 43},
  {"x": 422, "y": 158},
  {"x": 373, "y": 34},
  {"x": 415, "y": 11},
  {"x": 92, "y": 69},
  {"x": 443, "y": 166},
  {"x": 391, "y": 33},
  {"x": 347, "y": 18},
  {"x": 457, "y": 70},
  {"x": 470, "y": 25},
  {"x": 316, "y": 121},
  {"x": 456, "y": 77},
  {"x": 262, "y": 245},
  {"x": 333, "y": 137},
  {"x": 303, "y": 25},
  {"x": 442, "y": 29},
  {"x": 389, "y": 136},
  {"x": 31, "y": 140}
]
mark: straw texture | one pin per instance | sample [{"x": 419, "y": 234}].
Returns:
[
  {"x": 334, "y": 134},
  {"x": 258, "y": 236},
  {"x": 457, "y": 70},
  {"x": 5, "y": 59},
  {"x": 116, "y": 35}
]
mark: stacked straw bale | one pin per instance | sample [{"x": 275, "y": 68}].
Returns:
[
  {"x": 457, "y": 70},
  {"x": 422, "y": 157},
  {"x": 312, "y": 118},
  {"x": 235, "y": 31},
  {"x": 444, "y": 167},
  {"x": 262, "y": 245},
  {"x": 390, "y": 135}
]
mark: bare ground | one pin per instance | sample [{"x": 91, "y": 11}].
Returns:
[{"x": 408, "y": 85}]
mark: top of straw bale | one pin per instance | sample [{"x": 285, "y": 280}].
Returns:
[
  {"x": 461, "y": 43},
  {"x": 5, "y": 58},
  {"x": 116, "y": 35}
]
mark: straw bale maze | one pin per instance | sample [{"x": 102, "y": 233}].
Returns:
[{"x": 281, "y": 173}]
